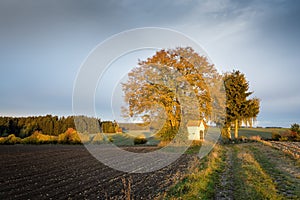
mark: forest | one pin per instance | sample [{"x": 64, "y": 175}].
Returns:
[{"x": 52, "y": 125}]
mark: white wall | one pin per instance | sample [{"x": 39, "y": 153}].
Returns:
[{"x": 194, "y": 132}]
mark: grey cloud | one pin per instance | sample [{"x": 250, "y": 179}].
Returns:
[{"x": 51, "y": 38}]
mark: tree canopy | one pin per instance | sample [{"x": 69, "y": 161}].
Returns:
[{"x": 169, "y": 84}]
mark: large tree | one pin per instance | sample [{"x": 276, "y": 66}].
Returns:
[
  {"x": 168, "y": 81},
  {"x": 239, "y": 109}
]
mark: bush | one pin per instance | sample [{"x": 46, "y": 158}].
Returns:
[
  {"x": 289, "y": 136},
  {"x": 31, "y": 140},
  {"x": 243, "y": 139},
  {"x": 69, "y": 137},
  {"x": 284, "y": 139},
  {"x": 139, "y": 140},
  {"x": 11, "y": 139},
  {"x": 38, "y": 138},
  {"x": 276, "y": 136},
  {"x": 295, "y": 128}
]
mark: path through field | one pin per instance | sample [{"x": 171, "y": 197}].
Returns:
[{"x": 257, "y": 171}]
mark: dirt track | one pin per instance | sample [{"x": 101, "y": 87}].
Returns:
[
  {"x": 69, "y": 171},
  {"x": 281, "y": 169}
]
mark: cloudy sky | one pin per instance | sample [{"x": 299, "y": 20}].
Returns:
[{"x": 44, "y": 43}]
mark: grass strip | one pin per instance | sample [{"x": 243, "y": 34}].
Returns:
[
  {"x": 200, "y": 183},
  {"x": 285, "y": 184},
  {"x": 250, "y": 179}
]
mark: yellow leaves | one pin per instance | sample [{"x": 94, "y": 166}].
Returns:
[
  {"x": 38, "y": 137},
  {"x": 168, "y": 77}
]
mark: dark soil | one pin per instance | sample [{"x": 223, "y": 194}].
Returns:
[{"x": 70, "y": 172}]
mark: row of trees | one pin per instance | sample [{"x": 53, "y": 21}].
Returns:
[
  {"x": 25, "y": 126},
  {"x": 53, "y": 125},
  {"x": 177, "y": 82}
]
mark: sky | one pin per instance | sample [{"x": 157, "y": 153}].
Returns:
[{"x": 44, "y": 43}]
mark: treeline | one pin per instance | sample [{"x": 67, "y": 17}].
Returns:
[
  {"x": 53, "y": 125},
  {"x": 93, "y": 125},
  {"x": 25, "y": 126}
]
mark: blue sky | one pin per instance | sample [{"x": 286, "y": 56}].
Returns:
[{"x": 43, "y": 44}]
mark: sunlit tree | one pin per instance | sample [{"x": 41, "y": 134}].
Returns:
[
  {"x": 238, "y": 108},
  {"x": 158, "y": 86}
]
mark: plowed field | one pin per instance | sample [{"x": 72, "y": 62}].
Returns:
[{"x": 70, "y": 172}]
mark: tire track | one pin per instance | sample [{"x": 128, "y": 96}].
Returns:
[{"x": 226, "y": 187}]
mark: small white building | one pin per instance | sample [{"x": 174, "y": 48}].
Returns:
[{"x": 196, "y": 130}]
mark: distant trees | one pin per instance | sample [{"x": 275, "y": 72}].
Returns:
[
  {"x": 52, "y": 125},
  {"x": 239, "y": 109},
  {"x": 153, "y": 88},
  {"x": 109, "y": 126},
  {"x": 86, "y": 124},
  {"x": 25, "y": 126}
]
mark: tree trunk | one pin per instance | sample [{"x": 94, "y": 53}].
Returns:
[
  {"x": 236, "y": 129},
  {"x": 251, "y": 123},
  {"x": 228, "y": 132}
]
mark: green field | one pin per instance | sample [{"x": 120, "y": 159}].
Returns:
[
  {"x": 262, "y": 132},
  {"x": 126, "y": 139}
]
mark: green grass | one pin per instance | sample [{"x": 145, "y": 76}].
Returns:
[
  {"x": 121, "y": 139},
  {"x": 250, "y": 179},
  {"x": 194, "y": 149},
  {"x": 252, "y": 175},
  {"x": 201, "y": 181},
  {"x": 287, "y": 182}
]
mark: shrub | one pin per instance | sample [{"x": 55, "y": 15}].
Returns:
[
  {"x": 255, "y": 138},
  {"x": 243, "y": 139},
  {"x": 295, "y": 128},
  {"x": 139, "y": 140},
  {"x": 69, "y": 137},
  {"x": 38, "y": 138},
  {"x": 289, "y": 136},
  {"x": 276, "y": 136},
  {"x": 11, "y": 139},
  {"x": 284, "y": 139}
]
